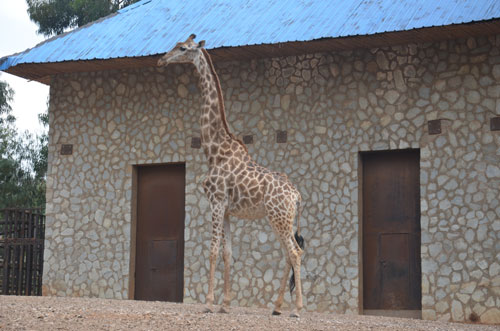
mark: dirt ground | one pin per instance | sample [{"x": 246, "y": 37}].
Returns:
[{"x": 50, "y": 313}]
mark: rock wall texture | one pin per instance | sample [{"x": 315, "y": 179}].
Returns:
[{"x": 333, "y": 106}]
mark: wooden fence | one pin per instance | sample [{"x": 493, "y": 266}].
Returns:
[{"x": 22, "y": 233}]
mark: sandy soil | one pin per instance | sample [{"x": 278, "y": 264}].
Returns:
[{"x": 50, "y": 313}]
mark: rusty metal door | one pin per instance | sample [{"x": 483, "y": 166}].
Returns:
[
  {"x": 159, "y": 266},
  {"x": 391, "y": 230}
]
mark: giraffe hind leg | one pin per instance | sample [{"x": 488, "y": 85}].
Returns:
[
  {"x": 300, "y": 243},
  {"x": 281, "y": 293},
  {"x": 293, "y": 253},
  {"x": 296, "y": 243}
]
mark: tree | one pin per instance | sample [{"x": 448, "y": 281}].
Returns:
[
  {"x": 20, "y": 184},
  {"x": 55, "y": 16},
  {"x": 23, "y": 159},
  {"x": 41, "y": 160},
  {"x": 6, "y": 95}
]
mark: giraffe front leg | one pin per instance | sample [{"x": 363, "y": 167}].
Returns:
[
  {"x": 214, "y": 249},
  {"x": 217, "y": 219},
  {"x": 227, "y": 254}
]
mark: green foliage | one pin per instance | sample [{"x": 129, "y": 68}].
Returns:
[
  {"x": 54, "y": 16},
  {"x": 20, "y": 184},
  {"x": 40, "y": 159},
  {"x": 6, "y": 95},
  {"x": 23, "y": 160}
]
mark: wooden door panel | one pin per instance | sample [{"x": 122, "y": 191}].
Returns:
[
  {"x": 164, "y": 280},
  {"x": 160, "y": 233},
  {"x": 391, "y": 230},
  {"x": 394, "y": 269}
]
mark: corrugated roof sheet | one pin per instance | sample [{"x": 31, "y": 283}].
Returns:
[{"x": 152, "y": 27}]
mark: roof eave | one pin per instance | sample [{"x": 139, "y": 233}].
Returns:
[{"x": 42, "y": 72}]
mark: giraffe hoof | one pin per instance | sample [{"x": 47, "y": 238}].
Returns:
[
  {"x": 276, "y": 313},
  {"x": 294, "y": 315},
  {"x": 223, "y": 310}
]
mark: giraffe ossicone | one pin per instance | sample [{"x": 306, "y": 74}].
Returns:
[{"x": 236, "y": 185}]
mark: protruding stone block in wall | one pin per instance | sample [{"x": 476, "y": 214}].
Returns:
[
  {"x": 281, "y": 136},
  {"x": 248, "y": 139},
  {"x": 195, "y": 142},
  {"x": 66, "y": 149},
  {"x": 495, "y": 123},
  {"x": 434, "y": 127}
]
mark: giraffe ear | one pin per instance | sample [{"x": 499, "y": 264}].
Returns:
[{"x": 201, "y": 44}]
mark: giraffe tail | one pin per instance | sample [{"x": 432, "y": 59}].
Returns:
[{"x": 300, "y": 242}]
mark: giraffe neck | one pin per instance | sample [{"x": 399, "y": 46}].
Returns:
[{"x": 214, "y": 129}]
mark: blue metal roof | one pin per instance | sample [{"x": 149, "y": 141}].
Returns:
[{"x": 152, "y": 27}]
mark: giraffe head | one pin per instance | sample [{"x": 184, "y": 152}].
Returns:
[{"x": 183, "y": 52}]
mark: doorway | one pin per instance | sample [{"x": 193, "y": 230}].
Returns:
[
  {"x": 159, "y": 259},
  {"x": 391, "y": 232}
]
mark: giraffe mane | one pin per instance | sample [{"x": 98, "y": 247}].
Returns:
[{"x": 221, "y": 99}]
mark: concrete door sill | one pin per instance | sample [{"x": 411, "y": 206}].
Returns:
[{"x": 416, "y": 314}]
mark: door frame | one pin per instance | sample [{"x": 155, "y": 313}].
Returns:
[
  {"x": 391, "y": 313},
  {"x": 134, "y": 170}
]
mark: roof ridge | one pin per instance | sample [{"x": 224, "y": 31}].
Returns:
[
  {"x": 61, "y": 35},
  {"x": 150, "y": 27},
  {"x": 134, "y": 6},
  {"x": 50, "y": 39}
]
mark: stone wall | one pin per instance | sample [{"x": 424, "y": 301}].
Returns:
[{"x": 333, "y": 106}]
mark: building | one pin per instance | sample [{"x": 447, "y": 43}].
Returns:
[{"x": 384, "y": 114}]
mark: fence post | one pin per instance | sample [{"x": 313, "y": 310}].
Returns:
[
  {"x": 21, "y": 251},
  {"x": 6, "y": 254}
]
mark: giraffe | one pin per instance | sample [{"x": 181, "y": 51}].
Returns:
[{"x": 236, "y": 185}]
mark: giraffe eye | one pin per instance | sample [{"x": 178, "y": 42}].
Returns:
[{"x": 182, "y": 48}]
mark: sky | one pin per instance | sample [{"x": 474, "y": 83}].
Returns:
[{"x": 18, "y": 33}]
